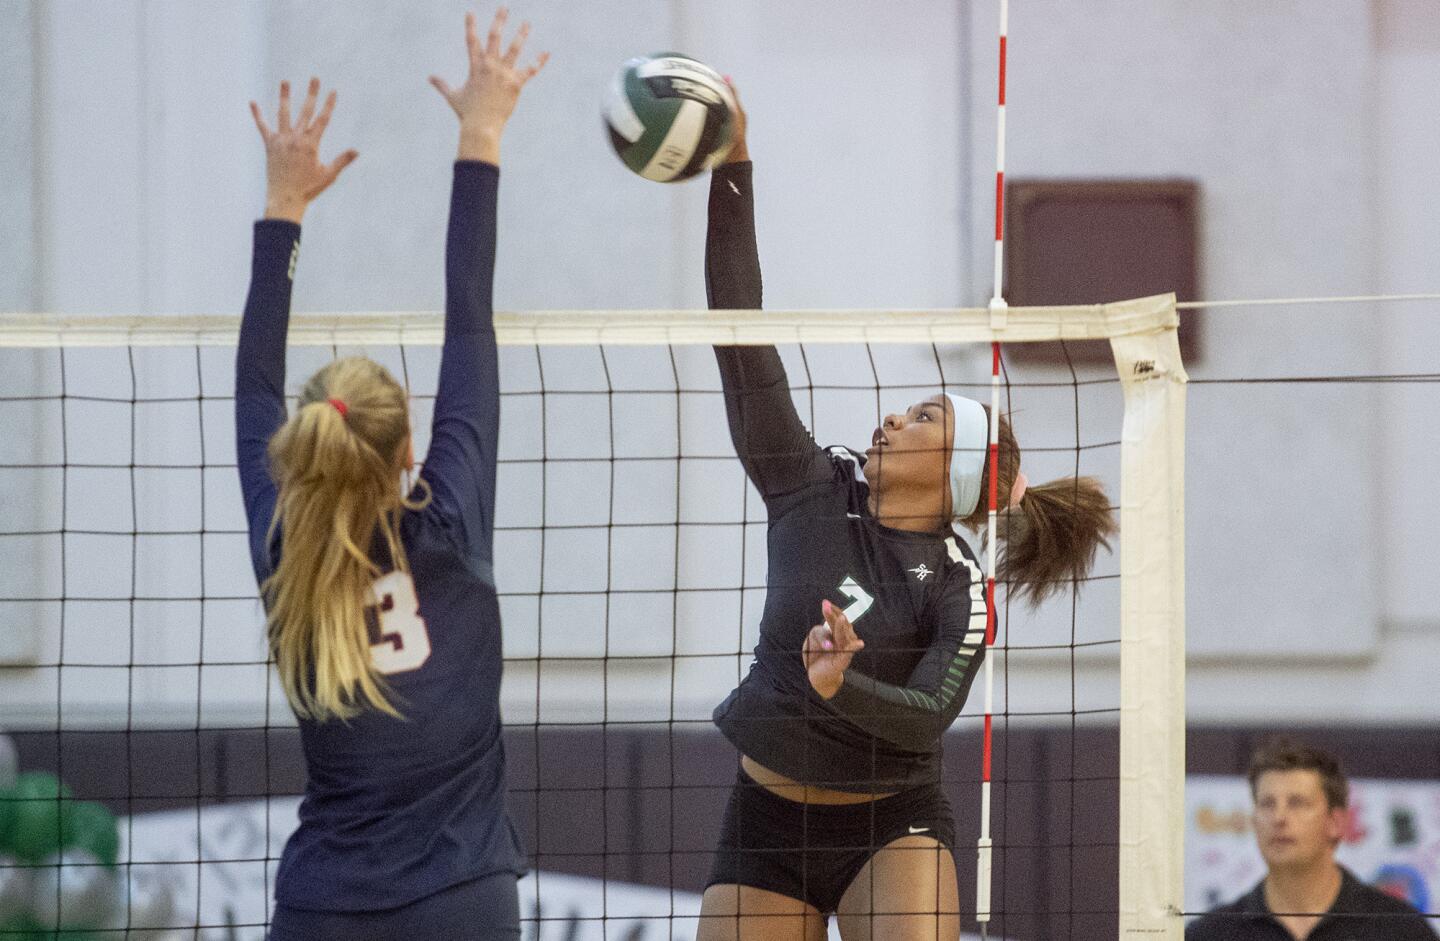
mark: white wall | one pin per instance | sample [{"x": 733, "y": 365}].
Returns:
[
  {"x": 17, "y": 121},
  {"x": 1309, "y": 132},
  {"x": 1310, "y": 129}
]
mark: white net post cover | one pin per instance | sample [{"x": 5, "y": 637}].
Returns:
[{"x": 1152, "y": 635}]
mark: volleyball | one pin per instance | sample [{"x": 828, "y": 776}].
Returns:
[{"x": 669, "y": 116}]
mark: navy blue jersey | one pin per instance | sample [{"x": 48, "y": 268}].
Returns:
[
  {"x": 916, "y": 599},
  {"x": 398, "y": 809}
]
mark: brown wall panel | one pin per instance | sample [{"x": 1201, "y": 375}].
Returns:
[{"x": 643, "y": 804}]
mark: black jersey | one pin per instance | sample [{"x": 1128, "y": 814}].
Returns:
[
  {"x": 916, "y": 599},
  {"x": 1360, "y": 913},
  {"x": 399, "y": 809}
]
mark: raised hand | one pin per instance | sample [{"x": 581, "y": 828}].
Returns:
[
  {"x": 487, "y": 98},
  {"x": 829, "y": 648},
  {"x": 293, "y": 172},
  {"x": 739, "y": 150}
]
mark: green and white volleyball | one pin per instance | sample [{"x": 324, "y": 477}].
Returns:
[{"x": 670, "y": 117}]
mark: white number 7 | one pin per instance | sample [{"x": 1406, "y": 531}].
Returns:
[
  {"x": 398, "y": 638},
  {"x": 860, "y": 599}
]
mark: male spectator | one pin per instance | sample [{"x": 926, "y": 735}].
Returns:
[{"x": 1300, "y": 815}]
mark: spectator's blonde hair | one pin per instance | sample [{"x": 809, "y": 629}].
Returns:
[{"x": 337, "y": 463}]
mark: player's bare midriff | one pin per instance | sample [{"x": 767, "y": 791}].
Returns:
[{"x": 790, "y": 789}]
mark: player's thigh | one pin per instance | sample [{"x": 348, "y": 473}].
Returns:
[
  {"x": 906, "y": 892},
  {"x": 743, "y": 913}
]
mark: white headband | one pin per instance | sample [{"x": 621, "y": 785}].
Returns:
[{"x": 968, "y": 451}]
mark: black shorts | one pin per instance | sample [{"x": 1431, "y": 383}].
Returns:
[
  {"x": 812, "y": 852},
  {"x": 485, "y": 909}
]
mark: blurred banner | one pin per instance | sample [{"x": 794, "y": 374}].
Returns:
[
  {"x": 215, "y": 867},
  {"x": 1392, "y": 841}
]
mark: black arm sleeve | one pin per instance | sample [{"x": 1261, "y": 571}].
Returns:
[
  {"x": 775, "y": 448},
  {"x": 915, "y": 715}
]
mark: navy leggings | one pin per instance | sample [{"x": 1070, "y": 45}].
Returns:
[{"x": 486, "y": 909}]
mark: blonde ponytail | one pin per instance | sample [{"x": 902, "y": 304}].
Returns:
[
  {"x": 1052, "y": 536},
  {"x": 337, "y": 463}
]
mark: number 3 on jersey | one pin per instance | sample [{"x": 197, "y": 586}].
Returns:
[{"x": 398, "y": 639}]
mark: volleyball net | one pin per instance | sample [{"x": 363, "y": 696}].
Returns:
[{"x": 630, "y": 560}]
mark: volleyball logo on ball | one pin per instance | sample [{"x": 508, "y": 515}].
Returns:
[{"x": 669, "y": 116}]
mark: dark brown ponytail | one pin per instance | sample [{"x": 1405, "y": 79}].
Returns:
[{"x": 1051, "y": 538}]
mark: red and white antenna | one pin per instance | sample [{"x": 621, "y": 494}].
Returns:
[{"x": 998, "y": 313}]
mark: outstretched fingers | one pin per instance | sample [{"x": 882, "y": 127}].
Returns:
[
  {"x": 512, "y": 53},
  {"x": 294, "y": 173},
  {"x": 307, "y": 110},
  {"x": 534, "y": 70},
  {"x": 340, "y": 163},
  {"x": 472, "y": 41},
  {"x": 265, "y": 132},
  {"x": 443, "y": 87},
  {"x": 323, "y": 121},
  {"x": 497, "y": 27},
  {"x": 282, "y": 119},
  {"x": 487, "y": 96},
  {"x": 330, "y": 172}
]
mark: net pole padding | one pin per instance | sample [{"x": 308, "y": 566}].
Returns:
[
  {"x": 620, "y": 327},
  {"x": 1152, "y": 636}
]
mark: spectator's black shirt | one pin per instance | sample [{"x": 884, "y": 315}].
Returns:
[{"x": 1360, "y": 913}]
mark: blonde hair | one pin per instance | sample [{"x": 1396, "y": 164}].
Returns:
[{"x": 337, "y": 468}]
